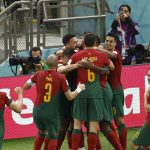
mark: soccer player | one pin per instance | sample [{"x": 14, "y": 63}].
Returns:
[
  {"x": 70, "y": 41},
  {"x": 46, "y": 113},
  {"x": 14, "y": 105},
  {"x": 141, "y": 139},
  {"x": 116, "y": 86},
  {"x": 89, "y": 105},
  {"x": 67, "y": 119}
]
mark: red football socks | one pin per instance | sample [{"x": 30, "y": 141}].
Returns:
[
  {"x": 38, "y": 142},
  {"x": 76, "y": 139},
  {"x": 92, "y": 140}
]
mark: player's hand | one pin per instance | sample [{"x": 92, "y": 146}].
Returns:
[
  {"x": 81, "y": 86},
  {"x": 85, "y": 63},
  {"x": 18, "y": 90}
]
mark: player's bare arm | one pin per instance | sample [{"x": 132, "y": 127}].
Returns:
[
  {"x": 112, "y": 55},
  {"x": 28, "y": 85},
  {"x": 85, "y": 63},
  {"x": 67, "y": 68},
  {"x": 71, "y": 95},
  {"x": 146, "y": 94},
  {"x": 17, "y": 105}
]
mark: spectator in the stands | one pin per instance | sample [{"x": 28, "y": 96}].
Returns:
[
  {"x": 139, "y": 55},
  {"x": 126, "y": 29}
]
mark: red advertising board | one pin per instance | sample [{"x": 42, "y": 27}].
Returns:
[{"x": 134, "y": 82}]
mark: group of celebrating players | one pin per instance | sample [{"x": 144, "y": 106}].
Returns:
[{"x": 81, "y": 86}]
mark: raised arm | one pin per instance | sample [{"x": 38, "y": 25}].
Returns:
[{"x": 17, "y": 105}]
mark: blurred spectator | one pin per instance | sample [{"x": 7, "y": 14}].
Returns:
[
  {"x": 141, "y": 55},
  {"x": 126, "y": 29},
  {"x": 35, "y": 52}
]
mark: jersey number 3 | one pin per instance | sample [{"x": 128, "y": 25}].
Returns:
[{"x": 48, "y": 88}]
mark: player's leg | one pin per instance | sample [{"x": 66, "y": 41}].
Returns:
[
  {"x": 95, "y": 113},
  {"x": 92, "y": 135},
  {"x": 39, "y": 139},
  {"x": 69, "y": 135},
  {"x": 110, "y": 134},
  {"x": 98, "y": 144},
  {"x": 1, "y": 134},
  {"x": 62, "y": 132},
  {"x": 105, "y": 123},
  {"x": 76, "y": 134},
  {"x": 52, "y": 127},
  {"x": 79, "y": 114},
  {"x": 141, "y": 138},
  {"x": 118, "y": 112}
]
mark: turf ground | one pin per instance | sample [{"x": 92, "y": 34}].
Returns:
[{"x": 27, "y": 143}]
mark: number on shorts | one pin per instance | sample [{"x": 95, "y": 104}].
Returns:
[
  {"x": 91, "y": 76},
  {"x": 47, "y": 96}
]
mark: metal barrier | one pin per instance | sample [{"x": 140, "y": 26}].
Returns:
[
  {"x": 54, "y": 19},
  {"x": 65, "y": 17},
  {"x": 16, "y": 31}
]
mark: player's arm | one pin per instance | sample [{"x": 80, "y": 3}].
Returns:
[
  {"x": 17, "y": 105},
  {"x": 28, "y": 84},
  {"x": 146, "y": 95},
  {"x": 71, "y": 95},
  {"x": 111, "y": 66},
  {"x": 85, "y": 63},
  {"x": 67, "y": 68},
  {"x": 111, "y": 55}
]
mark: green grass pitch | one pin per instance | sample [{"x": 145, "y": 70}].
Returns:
[{"x": 27, "y": 143}]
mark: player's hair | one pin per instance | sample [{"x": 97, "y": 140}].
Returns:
[
  {"x": 67, "y": 38},
  {"x": 98, "y": 40},
  {"x": 113, "y": 35},
  {"x": 89, "y": 40},
  {"x": 125, "y": 5},
  {"x": 68, "y": 52},
  {"x": 35, "y": 49},
  {"x": 52, "y": 61}
]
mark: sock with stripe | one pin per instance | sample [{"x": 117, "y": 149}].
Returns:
[
  {"x": 123, "y": 135},
  {"x": 92, "y": 140},
  {"x": 76, "y": 139}
]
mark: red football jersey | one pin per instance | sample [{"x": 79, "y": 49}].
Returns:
[
  {"x": 115, "y": 75},
  {"x": 148, "y": 113},
  {"x": 96, "y": 57},
  {"x": 48, "y": 84},
  {"x": 4, "y": 99}
]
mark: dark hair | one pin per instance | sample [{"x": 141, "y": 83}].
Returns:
[
  {"x": 125, "y": 5},
  {"x": 98, "y": 40},
  {"x": 113, "y": 35},
  {"x": 67, "y": 38},
  {"x": 35, "y": 49},
  {"x": 68, "y": 52},
  {"x": 89, "y": 40}
]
